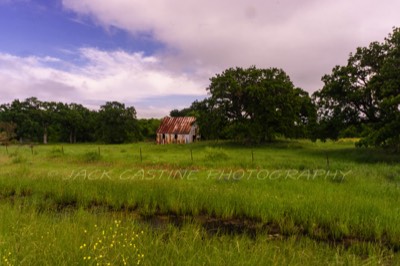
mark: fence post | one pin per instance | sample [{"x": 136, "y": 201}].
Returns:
[{"x": 327, "y": 160}]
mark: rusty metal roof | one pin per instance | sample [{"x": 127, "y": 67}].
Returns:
[{"x": 176, "y": 125}]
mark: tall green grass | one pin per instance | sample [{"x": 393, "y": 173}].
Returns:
[
  {"x": 31, "y": 238},
  {"x": 327, "y": 199}
]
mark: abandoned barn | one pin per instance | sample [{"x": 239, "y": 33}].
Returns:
[{"x": 178, "y": 130}]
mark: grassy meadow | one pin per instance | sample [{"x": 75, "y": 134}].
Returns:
[{"x": 208, "y": 203}]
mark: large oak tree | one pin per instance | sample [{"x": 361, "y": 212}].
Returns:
[
  {"x": 256, "y": 105},
  {"x": 364, "y": 93}
]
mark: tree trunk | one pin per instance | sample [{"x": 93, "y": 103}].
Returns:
[{"x": 70, "y": 137}]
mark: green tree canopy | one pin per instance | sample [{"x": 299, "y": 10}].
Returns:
[
  {"x": 148, "y": 128},
  {"x": 364, "y": 93},
  {"x": 183, "y": 112},
  {"x": 256, "y": 105},
  {"x": 40, "y": 121},
  {"x": 117, "y": 123}
]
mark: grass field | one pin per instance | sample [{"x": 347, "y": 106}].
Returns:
[{"x": 286, "y": 203}]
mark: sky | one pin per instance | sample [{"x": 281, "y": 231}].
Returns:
[{"x": 159, "y": 55}]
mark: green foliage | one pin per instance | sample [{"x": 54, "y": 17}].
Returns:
[
  {"x": 148, "y": 128},
  {"x": 35, "y": 121},
  {"x": 366, "y": 91},
  {"x": 26, "y": 116},
  {"x": 184, "y": 112},
  {"x": 210, "y": 118},
  {"x": 256, "y": 102},
  {"x": 116, "y": 123},
  {"x": 252, "y": 105},
  {"x": 75, "y": 123}
]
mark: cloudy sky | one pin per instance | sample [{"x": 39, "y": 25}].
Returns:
[{"x": 158, "y": 55}]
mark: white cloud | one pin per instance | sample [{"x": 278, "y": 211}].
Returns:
[
  {"x": 104, "y": 76},
  {"x": 306, "y": 38}
]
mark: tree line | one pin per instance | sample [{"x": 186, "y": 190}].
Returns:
[
  {"x": 33, "y": 120},
  {"x": 251, "y": 105}
]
